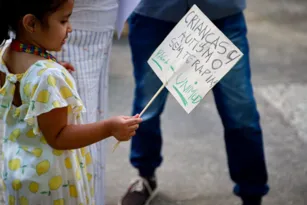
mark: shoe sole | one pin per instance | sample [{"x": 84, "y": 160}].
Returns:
[{"x": 153, "y": 194}]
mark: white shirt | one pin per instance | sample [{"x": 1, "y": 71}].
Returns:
[{"x": 94, "y": 15}]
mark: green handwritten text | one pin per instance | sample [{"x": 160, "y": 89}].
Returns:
[{"x": 186, "y": 90}]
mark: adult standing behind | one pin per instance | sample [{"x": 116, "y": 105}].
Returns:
[
  {"x": 149, "y": 25},
  {"x": 88, "y": 49}
]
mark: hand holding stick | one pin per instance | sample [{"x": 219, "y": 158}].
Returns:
[{"x": 146, "y": 107}]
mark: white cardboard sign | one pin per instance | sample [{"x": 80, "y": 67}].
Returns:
[{"x": 193, "y": 58}]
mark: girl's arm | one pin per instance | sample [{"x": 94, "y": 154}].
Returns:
[{"x": 62, "y": 136}]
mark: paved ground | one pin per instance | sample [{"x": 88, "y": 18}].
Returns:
[{"x": 194, "y": 171}]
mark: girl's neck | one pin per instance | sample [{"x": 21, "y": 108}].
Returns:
[
  {"x": 19, "y": 62},
  {"x": 28, "y": 41}
]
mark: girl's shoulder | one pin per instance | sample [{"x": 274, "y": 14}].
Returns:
[
  {"x": 43, "y": 69},
  {"x": 46, "y": 75}
]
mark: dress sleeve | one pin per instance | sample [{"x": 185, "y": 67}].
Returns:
[{"x": 55, "y": 89}]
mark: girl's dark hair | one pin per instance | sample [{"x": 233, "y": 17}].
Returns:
[{"x": 12, "y": 11}]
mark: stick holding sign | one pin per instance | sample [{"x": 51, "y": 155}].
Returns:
[
  {"x": 193, "y": 58},
  {"x": 144, "y": 110}
]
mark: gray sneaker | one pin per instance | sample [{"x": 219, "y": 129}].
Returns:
[{"x": 140, "y": 192}]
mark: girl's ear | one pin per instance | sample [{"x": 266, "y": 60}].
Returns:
[{"x": 29, "y": 22}]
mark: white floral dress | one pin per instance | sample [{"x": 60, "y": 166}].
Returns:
[{"x": 33, "y": 173}]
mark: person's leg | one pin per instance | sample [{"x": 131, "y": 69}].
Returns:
[
  {"x": 145, "y": 35},
  {"x": 237, "y": 108}
]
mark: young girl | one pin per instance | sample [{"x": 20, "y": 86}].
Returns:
[
  {"x": 88, "y": 49},
  {"x": 46, "y": 161}
]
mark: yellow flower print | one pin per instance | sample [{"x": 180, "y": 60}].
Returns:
[
  {"x": 14, "y": 164},
  {"x": 57, "y": 152},
  {"x": 14, "y": 135},
  {"x": 30, "y": 133},
  {"x": 30, "y": 122},
  {"x": 69, "y": 109},
  {"x": 83, "y": 151},
  {"x": 11, "y": 200},
  {"x": 56, "y": 104},
  {"x": 73, "y": 191},
  {"x": 43, "y": 96},
  {"x": 17, "y": 112},
  {"x": 42, "y": 167},
  {"x": 34, "y": 89},
  {"x": 88, "y": 159},
  {"x": 55, "y": 182},
  {"x": 23, "y": 201},
  {"x": 37, "y": 152},
  {"x": 68, "y": 163},
  {"x": 39, "y": 73},
  {"x": 3, "y": 91},
  {"x": 33, "y": 187},
  {"x": 16, "y": 184},
  {"x": 26, "y": 89},
  {"x": 89, "y": 177},
  {"x": 69, "y": 82},
  {"x": 59, "y": 202},
  {"x": 66, "y": 92},
  {"x": 78, "y": 159},
  {"x": 51, "y": 81},
  {"x": 43, "y": 140},
  {"x": 50, "y": 65},
  {"x": 78, "y": 175},
  {"x": 13, "y": 90}
]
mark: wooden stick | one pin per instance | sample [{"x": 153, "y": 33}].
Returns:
[{"x": 146, "y": 107}]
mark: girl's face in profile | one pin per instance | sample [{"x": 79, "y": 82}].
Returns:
[{"x": 52, "y": 36}]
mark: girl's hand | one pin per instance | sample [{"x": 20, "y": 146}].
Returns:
[
  {"x": 68, "y": 66},
  {"x": 124, "y": 127}
]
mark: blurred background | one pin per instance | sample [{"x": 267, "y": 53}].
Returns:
[{"x": 194, "y": 171}]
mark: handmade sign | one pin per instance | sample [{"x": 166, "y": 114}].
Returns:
[{"x": 192, "y": 59}]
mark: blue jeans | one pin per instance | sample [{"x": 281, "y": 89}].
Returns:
[{"x": 233, "y": 96}]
